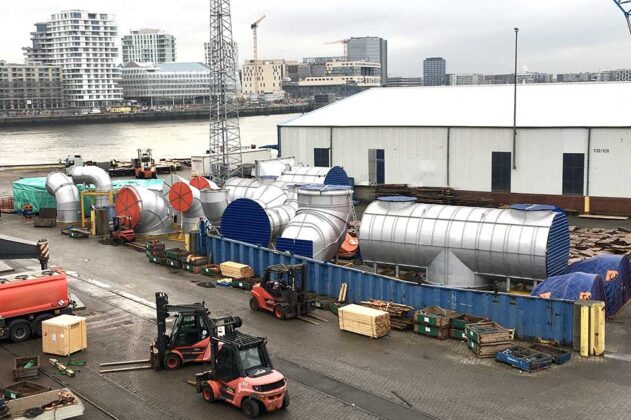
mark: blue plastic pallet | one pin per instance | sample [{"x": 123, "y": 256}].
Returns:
[{"x": 524, "y": 358}]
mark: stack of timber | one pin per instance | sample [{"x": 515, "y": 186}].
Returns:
[
  {"x": 236, "y": 270},
  {"x": 431, "y": 195},
  {"x": 365, "y": 321},
  {"x": 458, "y": 325},
  {"x": 434, "y": 321},
  {"x": 586, "y": 243},
  {"x": 399, "y": 314},
  {"x": 485, "y": 339}
]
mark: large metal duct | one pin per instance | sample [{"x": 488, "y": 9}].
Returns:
[
  {"x": 251, "y": 221},
  {"x": 465, "y": 246},
  {"x": 66, "y": 195},
  {"x": 239, "y": 187},
  {"x": 321, "y": 222},
  {"x": 97, "y": 177},
  {"x": 214, "y": 203},
  {"x": 149, "y": 212},
  {"x": 335, "y": 175},
  {"x": 186, "y": 199},
  {"x": 203, "y": 183}
]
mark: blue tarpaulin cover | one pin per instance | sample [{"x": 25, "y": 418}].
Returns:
[
  {"x": 572, "y": 286},
  {"x": 615, "y": 271}
]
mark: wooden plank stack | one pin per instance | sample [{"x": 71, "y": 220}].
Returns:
[
  {"x": 365, "y": 321},
  {"x": 487, "y": 338},
  {"x": 430, "y": 195},
  {"x": 434, "y": 321},
  {"x": 399, "y": 314},
  {"x": 586, "y": 243},
  {"x": 236, "y": 270}
]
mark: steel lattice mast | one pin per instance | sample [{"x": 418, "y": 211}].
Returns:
[
  {"x": 225, "y": 140},
  {"x": 625, "y": 7}
]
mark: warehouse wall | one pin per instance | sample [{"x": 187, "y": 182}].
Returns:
[
  {"x": 540, "y": 158},
  {"x": 470, "y": 152},
  {"x": 610, "y": 162},
  {"x": 413, "y": 155},
  {"x": 300, "y": 142}
]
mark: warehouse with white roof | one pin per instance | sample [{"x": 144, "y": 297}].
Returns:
[{"x": 572, "y": 141}]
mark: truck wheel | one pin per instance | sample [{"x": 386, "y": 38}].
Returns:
[
  {"x": 19, "y": 330},
  {"x": 172, "y": 361},
  {"x": 254, "y": 304},
  {"x": 279, "y": 311},
  {"x": 286, "y": 400},
  {"x": 38, "y": 324},
  {"x": 208, "y": 394},
  {"x": 250, "y": 408}
]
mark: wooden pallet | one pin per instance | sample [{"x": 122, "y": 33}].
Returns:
[
  {"x": 487, "y": 350},
  {"x": 399, "y": 314},
  {"x": 441, "y": 333},
  {"x": 488, "y": 333}
]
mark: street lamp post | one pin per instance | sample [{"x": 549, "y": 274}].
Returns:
[{"x": 515, "y": 104}]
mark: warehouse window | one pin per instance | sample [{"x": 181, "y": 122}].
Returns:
[
  {"x": 500, "y": 171},
  {"x": 321, "y": 157},
  {"x": 573, "y": 173},
  {"x": 376, "y": 166}
]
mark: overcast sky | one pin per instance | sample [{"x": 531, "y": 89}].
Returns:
[{"x": 473, "y": 35}]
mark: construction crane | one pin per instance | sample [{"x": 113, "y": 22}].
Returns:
[
  {"x": 225, "y": 137},
  {"x": 341, "y": 41},
  {"x": 255, "y": 53},
  {"x": 625, "y": 7}
]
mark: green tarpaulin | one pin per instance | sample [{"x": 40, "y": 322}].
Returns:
[{"x": 33, "y": 191}]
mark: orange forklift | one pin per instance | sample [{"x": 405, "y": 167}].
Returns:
[
  {"x": 145, "y": 165},
  {"x": 122, "y": 231},
  {"x": 242, "y": 375},
  {"x": 283, "y": 292}
]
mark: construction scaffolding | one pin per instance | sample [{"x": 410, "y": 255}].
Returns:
[{"x": 225, "y": 137}]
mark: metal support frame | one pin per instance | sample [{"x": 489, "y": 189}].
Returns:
[
  {"x": 83, "y": 194},
  {"x": 225, "y": 137},
  {"x": 625, "y": 7}
]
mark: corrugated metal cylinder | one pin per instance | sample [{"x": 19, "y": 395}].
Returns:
[
  {"x": 335, "y": 175},
  {"x": 66, "y": 195},
  {"x": 214, "y": 203},
  {"x": 150, "y": 213}
]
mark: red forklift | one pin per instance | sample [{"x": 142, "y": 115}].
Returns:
[
  {"x": 122, "y": 230},
  {"x": 144, "y": 165},
  {"x": 189, "y": 341},
  {"x": 242, "y": 374},
  {"x": 283, "y": 291}
]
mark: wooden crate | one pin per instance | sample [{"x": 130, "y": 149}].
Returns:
[
  {"x": 365, "y": 321},
  {"x": 487, "y": 333},
  {"x": 236, "y": 270},
  {"x": 438, "y": 332},
  {"x": 435, "y": 315},
  {"x": 457, "y": 334},
  {"x": 21, "y": 371},
  {"x": 487, "y": 350},
  {"x": 463, "y": 320},
  {"x": 64, "y": 335}
]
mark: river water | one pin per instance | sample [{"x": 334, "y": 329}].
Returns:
[{"x": 103, "y": 142}]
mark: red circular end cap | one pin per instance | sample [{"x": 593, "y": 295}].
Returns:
[
  {"x": 181, "y": 196},
  {"x": 127, "y": 203},
  {"x": 200, "y": 183}
]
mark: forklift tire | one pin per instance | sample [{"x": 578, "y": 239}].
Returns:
[
  {"x": 250, "y": 408},
  {"x": 279, "y": 311},
  {"x": 172, "y": 361},
  {"x": 254, "y": 304},
  {"x": 208, "y": 394},
  {"x": 19, "y": 330},
  {"x": 285, "y": 400}
]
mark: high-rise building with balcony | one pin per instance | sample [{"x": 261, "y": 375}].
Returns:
[
  {"x": 148, "y": 46},
  {"x": 83, "y": 45},
  {"x": 30, "y": 88},
  {"x": 434, "y": 71},
  {"x": 372, "y": 49}
]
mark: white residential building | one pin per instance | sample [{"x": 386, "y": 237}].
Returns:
[
  {"x": 83, "y": 44},
  {"x": 270, "y": 74},
  {"x": 170, "y": 83},
  {"x": 148, "y": 46}
]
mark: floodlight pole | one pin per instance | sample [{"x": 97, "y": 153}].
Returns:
[{"x": 515, "y": 104}]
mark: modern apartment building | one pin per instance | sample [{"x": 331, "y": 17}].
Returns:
[
  {"x": 166, "y": 83},
  {"x": 270, "y": 74},
  {"x": 361, "y": 73},
  {"x": 397, "y": 81},
  {"x": 434, "y": 71},
  {"x": 83, "y": 45},
  {"x": 372, "y": 49},
  {"x": 30, "y": 88},
  {"x": 149, "y": 46}
]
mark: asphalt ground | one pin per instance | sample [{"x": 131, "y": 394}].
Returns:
[{"x": 331, "y": 373}]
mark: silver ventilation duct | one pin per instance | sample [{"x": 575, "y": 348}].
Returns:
[
  {"x": 315, "y": 175},
  {"x": 239, "y": 187},
  {"x": 463, "y": 246},
  {"x": 66, "y": 195},
  {"x": 149, "y": 212},
  {"x": 186, "y": 199},
  {"x": 95, "y": 176},
  {"x": 214, "y": 203},
  {"x": 321, "y": 222}
]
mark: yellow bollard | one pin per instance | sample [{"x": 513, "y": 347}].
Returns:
[{"x": 587, "y": 205}]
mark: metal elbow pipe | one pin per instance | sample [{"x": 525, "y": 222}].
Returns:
[
  {"x": 149, "y": 212},
  {"x": 95, "y": 176},
  {"x": 66, "y": 195},
  {"x": 321, "y": 222},
  {"x": 186, "y": 199}
]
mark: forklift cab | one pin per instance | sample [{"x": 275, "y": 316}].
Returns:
[
  {"x": 188, "y": 330},
  {"x": 281, "y": 280}
]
